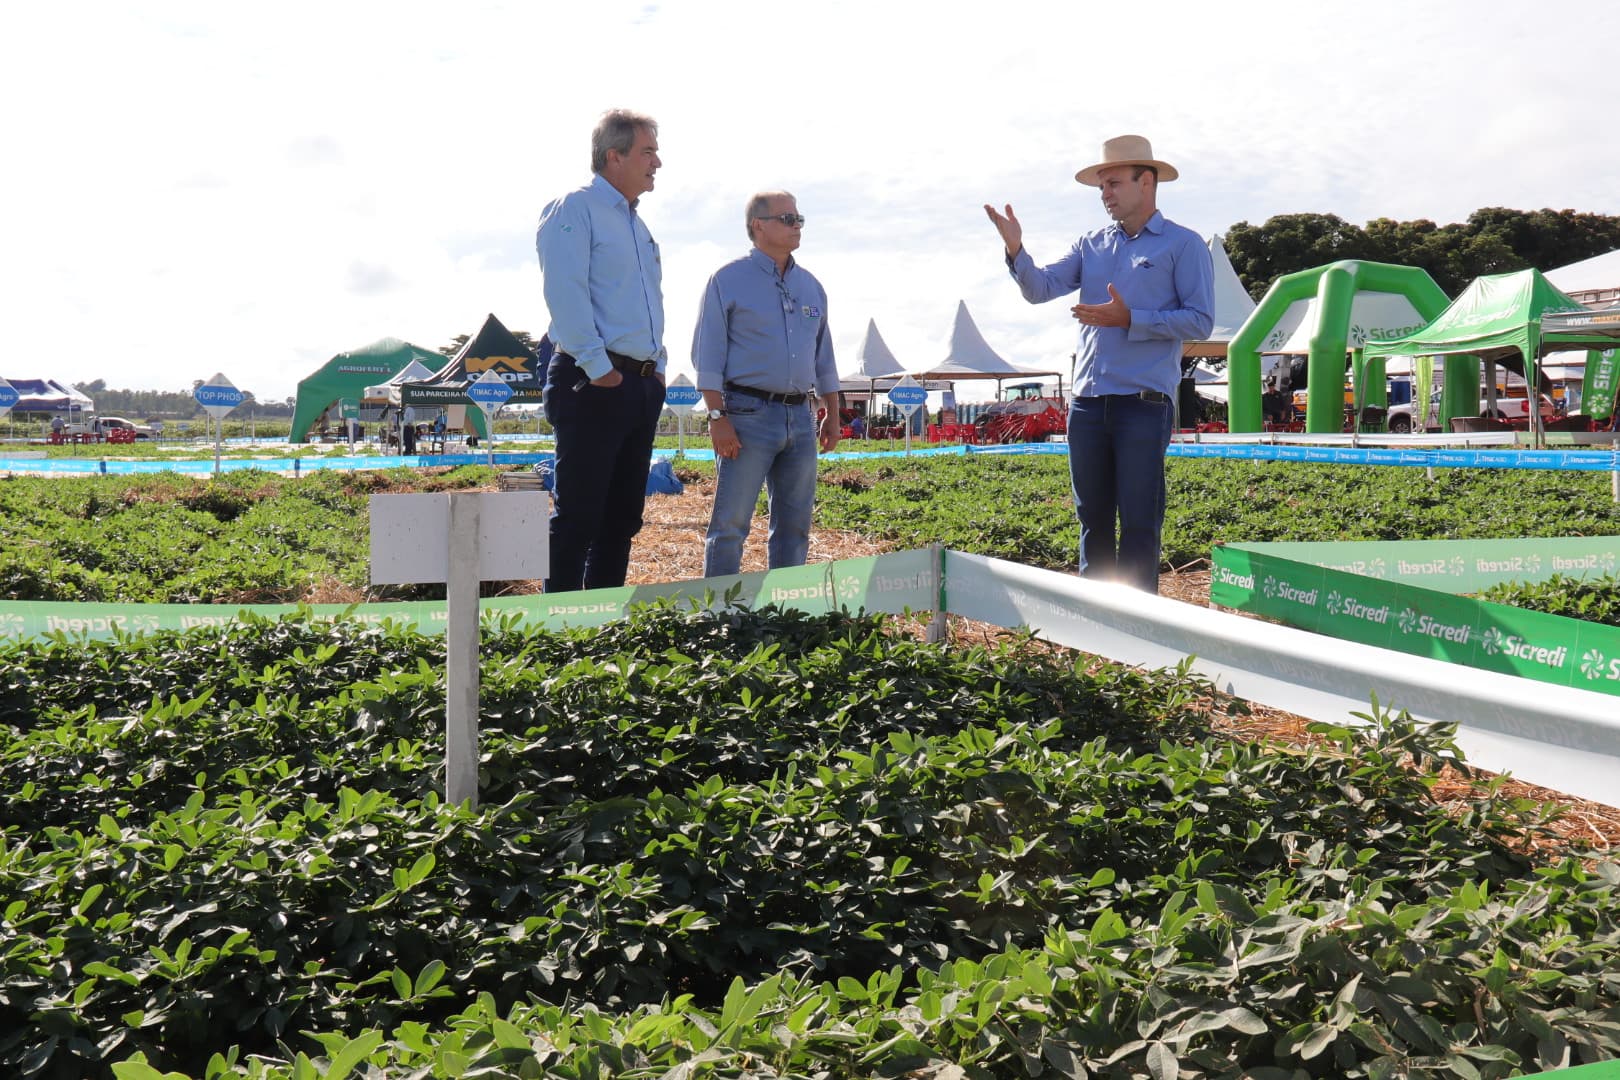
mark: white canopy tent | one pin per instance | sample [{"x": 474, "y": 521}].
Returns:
[
  {"x": 874, "y": 363},
  {"x": 388, "y": 392},
  {"x": 1594, "y": 280},
  {"x": 1233, "y": 305},
  {"x": 969, "y": 356}
]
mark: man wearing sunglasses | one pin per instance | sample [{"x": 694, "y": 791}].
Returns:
[
  {"x": 763, "y": 356},
  {"x": 604, "y": 391},
  {"x": 1145, "y": 285}
]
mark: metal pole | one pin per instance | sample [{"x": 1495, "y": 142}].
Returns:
[
  {"x": 937, "y": 625},
  {"x": 461, "y": 654}
]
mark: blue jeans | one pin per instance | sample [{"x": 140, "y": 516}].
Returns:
[
  {"x": 599, "y": 486},
  {"x": 1116, "y": 465},
  {"x": 779, "y": 453}
]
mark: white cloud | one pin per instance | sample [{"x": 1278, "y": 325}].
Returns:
[{"x": 198, "y": 188}]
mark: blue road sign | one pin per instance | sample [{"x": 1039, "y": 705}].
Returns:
[
  {"x": 223, "y": 398},
  {"x": 908, "y": 396},
  {"x": 8, "y": 396},
  {"x": 489, "y": 394},
  {"x": 678, "y": 395}
]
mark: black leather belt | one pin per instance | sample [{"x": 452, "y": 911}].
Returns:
[
  {"x": 766, "y": 395},
  {"x": 1158, "y": 397},
  {"x": 627, "y": 364}
]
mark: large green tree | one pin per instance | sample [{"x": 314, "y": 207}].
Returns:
[{"x": 1493, "y": 240}]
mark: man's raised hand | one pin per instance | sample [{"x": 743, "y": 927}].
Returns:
[{"x": 1012, "y": 233}]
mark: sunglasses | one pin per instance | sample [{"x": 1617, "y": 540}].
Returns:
[{"x": 786, "y": 219}]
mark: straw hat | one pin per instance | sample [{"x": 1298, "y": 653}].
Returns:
[{"x": 1126, "y": 150}]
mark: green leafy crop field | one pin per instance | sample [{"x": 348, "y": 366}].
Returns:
[
  {"x": 252, "y": 537},
  {"x": 750, "y": 845}
]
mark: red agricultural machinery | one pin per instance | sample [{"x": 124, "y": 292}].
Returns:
[{"x": 1025, "y": 415}]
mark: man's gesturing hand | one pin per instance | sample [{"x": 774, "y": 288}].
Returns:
[
  {"x": 1113, "y": 313},
  {"x": 1012, "y": 233}
]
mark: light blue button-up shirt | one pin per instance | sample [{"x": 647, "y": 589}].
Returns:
[
  {"x": 1165, "y": 276},
  {"x": 764, "y": 329},
  {"x": 603, "y": 282}
]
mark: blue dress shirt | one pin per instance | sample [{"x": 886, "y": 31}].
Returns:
[
  {"x": 764, "y": 329},
  {"x": 603, "y": 282},
  {"x": 1165, "y": 276}
]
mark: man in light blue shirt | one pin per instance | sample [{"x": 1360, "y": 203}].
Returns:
[
  {"x": 1145, "y": 286},
  {"x": 763, "y": 355},
  {"x": 603, "y": 284}
]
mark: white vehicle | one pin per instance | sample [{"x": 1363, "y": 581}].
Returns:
[
  {"x": 1507, "y": 408},
  {"x": 105, "y": 424}
]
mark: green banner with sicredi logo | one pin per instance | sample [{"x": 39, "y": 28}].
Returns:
[{"x": 1403, "y": 596}]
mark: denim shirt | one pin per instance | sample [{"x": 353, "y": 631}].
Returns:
[
  {"x": 1166, "y": 277},
  {"x": 603, "y": 279},
  {"x": 764, "y": 329}
]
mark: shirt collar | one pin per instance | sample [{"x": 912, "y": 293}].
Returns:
[
  {"x": 768, "y": 264},
  {"x": 1154, "y": 224},
  {"x": 607, "y": 193}
]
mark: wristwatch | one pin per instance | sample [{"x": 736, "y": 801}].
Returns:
[{"x": 716, "y": 414}]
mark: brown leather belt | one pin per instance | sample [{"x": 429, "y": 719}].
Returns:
[{"x": 627, "y": 364}]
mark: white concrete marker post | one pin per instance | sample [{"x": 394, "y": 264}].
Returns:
[{"x": 461, "y": 539}]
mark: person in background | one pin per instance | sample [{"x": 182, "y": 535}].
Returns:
[
  {"x": 603, "y": 283},
  {"x": 407, "y": 431},
  {"x": 1145, "y": 286},
  {"x": 763, "y": 354}
]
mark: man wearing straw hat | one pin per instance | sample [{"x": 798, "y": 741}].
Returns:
[{"x": 1145, "y": 286}]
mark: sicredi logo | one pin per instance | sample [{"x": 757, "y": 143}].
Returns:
[
  {"x": 1410, "y": 622},
  {"x": 1441, "y": 567},
  {"x": 922, "y": 579},
  {"x": 1594, "y": 666},
  {"x": 1351, "y": 608},
  {"x": 1226, "y": 576},
  {"x": 1580, "y": 562},
  {"x": 1279, "y": 589},
  {"x": 1498, "y": 643}
]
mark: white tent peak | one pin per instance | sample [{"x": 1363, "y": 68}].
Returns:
[
  {"x": 1233, "y": 304},
  {"x": 415, "y": 371},
  {"x": 970, "y": 356},
  {"x": 873, "y": 360}
]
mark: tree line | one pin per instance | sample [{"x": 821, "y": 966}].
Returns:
[
  {"x": 168, "y": 404},
  {"x": 1493, "y": 240}
]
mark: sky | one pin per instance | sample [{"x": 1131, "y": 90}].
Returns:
[{"x": 193, "y": 188}]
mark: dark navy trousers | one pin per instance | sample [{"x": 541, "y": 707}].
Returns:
[{"x": 599, "y": 486}]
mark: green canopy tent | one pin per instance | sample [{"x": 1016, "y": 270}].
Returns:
[
  {"x": 493, "y": 348},
  {"x": 347, "y": 375},
  {"x": 1496, "y": 319},
  {"x": 1602, "y": 365}
]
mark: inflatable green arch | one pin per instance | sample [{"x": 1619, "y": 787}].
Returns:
[{"x": 1334, "y": 286}]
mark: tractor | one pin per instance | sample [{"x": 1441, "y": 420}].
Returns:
[{"x": 1024, "y": 415}]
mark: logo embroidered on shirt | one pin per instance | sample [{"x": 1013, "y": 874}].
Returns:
[
  {"x": 812, "y": 312},
  {"x": 1142, "y": 262}
]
